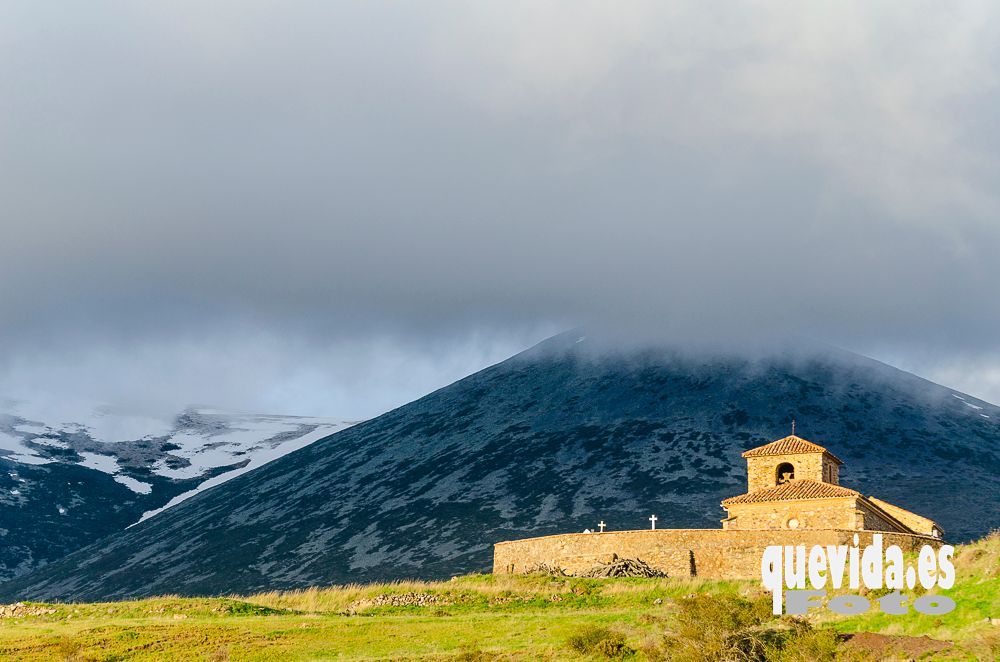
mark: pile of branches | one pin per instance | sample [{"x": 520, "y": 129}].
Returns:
[{"x": 624, "y": 568}]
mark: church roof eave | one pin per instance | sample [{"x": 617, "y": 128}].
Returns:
[
  {"x": 790, "y": 445},
  {"x": 799, "y": 489}
]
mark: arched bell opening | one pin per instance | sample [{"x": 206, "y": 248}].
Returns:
[{"x": 784, "y": 473}]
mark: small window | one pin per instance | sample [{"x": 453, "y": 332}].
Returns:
[
  {"x": 792, "y": 523},
  {"x": 784, "y": 473}
]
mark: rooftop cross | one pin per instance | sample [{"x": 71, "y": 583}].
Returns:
[
  {"x": 601, "y": 524},
  {"x": 793, "y": 426},
  {"x": 652, "y": 520}
]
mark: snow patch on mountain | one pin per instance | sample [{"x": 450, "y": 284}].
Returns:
[
  {"x": 18, "y": 451},
  {"x": 46, "y": 441},
  {"x": 136, "y": 486},
  {"x": 243, "y": 437},
  {"x": 258, "y": 459},
  {"x": 106, "y": 463},
  {"x": 131, "y": 447},
  {"x": 102, "y": 422},
  {"x": 966, "y": 402},
  {"x": 31, "y": 428},
  {"x": 107, "y": 466}
]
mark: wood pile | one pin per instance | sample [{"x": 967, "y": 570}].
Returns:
[{"x": 624, "y": 568}]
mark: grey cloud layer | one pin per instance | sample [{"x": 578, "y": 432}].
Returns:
[{"x": 326, "y": 171}]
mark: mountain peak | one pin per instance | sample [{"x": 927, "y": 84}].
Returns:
[{"x": 546, "y": 442}]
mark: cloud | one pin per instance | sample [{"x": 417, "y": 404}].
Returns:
[
  {"x": 241, "y": 370},
  {"x": 179, "y": 179},
  {"x": 878, "y": 95}
]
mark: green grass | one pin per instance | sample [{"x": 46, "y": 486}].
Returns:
[
  {"x": 977, "y": 597},
  {"x": 476, "y": 617}
]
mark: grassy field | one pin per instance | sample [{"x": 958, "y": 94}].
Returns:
[{"x": 481, "y": 617}]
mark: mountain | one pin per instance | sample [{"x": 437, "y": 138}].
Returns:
[
  {"x": 64, "y": 485},
  {"x": 552, "y": 440}
]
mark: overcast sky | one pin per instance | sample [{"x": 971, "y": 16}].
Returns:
[{"x": 330, "y": 208}]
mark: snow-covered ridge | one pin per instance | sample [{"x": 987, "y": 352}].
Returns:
[
  {"x": 136, "y": 449},
  {"x": 257, "y": 459}
]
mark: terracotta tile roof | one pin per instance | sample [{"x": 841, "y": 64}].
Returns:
[
  {"x": 795, "y": 489},
  {"x": 788, "y": 446}
]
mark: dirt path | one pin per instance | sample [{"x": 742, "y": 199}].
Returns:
[{"x": 882, "y": 644}]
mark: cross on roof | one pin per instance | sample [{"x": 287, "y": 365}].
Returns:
[
  {"x": 601, "y": 524},
  {"x": 652, "y": 520}
]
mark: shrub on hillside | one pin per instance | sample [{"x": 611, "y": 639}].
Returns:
[
  {"x": 593, "y": 640},
  {"x": 728, "y": 627},
  {"x": 474, "y": 655},
  {"x": 985, "y": 647}
]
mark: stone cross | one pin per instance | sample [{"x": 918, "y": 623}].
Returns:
[
  {"x": 652, "y": 520},
  {"x": 601, "y": 524}
]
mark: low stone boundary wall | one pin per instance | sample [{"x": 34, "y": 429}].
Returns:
[{"x": 709, "y": 553}]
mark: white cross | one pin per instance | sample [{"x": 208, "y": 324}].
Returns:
[
  {"x": 652, "y": 520},
  {"x": 601, "y": 524}
]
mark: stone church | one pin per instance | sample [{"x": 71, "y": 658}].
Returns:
[
  {"x": 793, "y": 497},
  {"x": 795, "y": 484}
]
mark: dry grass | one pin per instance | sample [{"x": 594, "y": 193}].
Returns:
[
  {"x": 493, "y": 588},
  {"x": 485, "y": 617},
  {"x": 980, "y": 559}
]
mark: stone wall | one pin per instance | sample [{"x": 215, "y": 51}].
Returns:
[
  {"x": 870, "y": 519},
  {"x": 916, "y": 522},
  {"x": 710, "y": 553},
  {"x": 839, "y": 513},
  {"x": 761, "y": 471},
  {"x": 833, "y": 471}
]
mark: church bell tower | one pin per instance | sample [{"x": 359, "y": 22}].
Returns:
[{"x": 788, "y": 459}]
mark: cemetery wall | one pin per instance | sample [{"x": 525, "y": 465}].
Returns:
[{"x": 708, "y": 553}]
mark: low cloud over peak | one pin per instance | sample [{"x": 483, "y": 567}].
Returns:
[{"x": 289, "y": 182}]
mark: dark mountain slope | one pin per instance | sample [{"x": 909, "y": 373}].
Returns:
[{"x": 550, "y": 441}]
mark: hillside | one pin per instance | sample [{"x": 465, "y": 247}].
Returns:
[
  {"x": 552, "y": 440},
  {"x": 481, "y": 617},
  {"x": 68, "y": 481}
]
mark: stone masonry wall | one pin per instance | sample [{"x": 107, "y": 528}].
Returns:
[
  {"x": 873, "y": 520},
  {"x": 709, "y": 553},
  {"x": 914, "y": 521},
  {"x": 761, "y": 470},
  {"x": 808, "y": 514}
]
